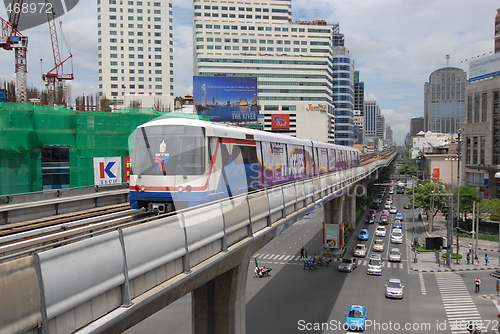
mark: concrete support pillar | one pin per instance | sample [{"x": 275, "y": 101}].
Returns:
[
  {"x": 350, "y": 208},
  {"x": 333, "y": 211},
  {"x": 218, "y": 307}
]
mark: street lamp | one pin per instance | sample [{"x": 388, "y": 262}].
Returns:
[{"x": 459, "y": 131}]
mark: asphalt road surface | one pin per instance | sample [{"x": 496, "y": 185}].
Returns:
[{"x": 294, "y": 300}]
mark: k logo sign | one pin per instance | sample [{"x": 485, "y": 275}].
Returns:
[{"x": 32, "y": 13}]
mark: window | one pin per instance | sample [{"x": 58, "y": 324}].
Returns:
[{"x": 55, "y": 167}]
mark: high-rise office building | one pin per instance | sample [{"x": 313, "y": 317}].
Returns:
[
  {"x": 135, "y": 52},
  {"x": 416, "y": 125},
  {"x": 444, "y": 100},
  {"x": 497, "y": 32},
  {"x": 292, "y": 61},
  {"x": 374, "y": 121}
]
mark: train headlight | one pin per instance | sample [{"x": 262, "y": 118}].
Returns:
[
  {"x": 189, "y": 188},
  {"x": 180, "y": 189}
]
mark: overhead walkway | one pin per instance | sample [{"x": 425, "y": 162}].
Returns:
[{"x": 110, "y": 282}]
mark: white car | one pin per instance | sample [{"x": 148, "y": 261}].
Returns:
[
  {"x": 387, "y": 205},
  {"x": 393, "y": 210},
  {"x": 380, "y": 231},
  {"x": 375, "y": 265},
  {"x": 395, "y": 255},
  {"x": 397, "y": 236}
]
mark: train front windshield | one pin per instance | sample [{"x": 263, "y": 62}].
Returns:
[{"x": 169, "y": 150}]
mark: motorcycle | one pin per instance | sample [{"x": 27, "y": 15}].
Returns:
[
  {"x": 262, "y": 272},
  {"x": 323, "y": 262},
  {"x": 310, "y": 264}
]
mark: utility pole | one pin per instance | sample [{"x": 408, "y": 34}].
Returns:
[{"x": 459, "y": 131}]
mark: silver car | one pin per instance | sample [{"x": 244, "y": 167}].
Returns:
[
  {"x": 395, "y": 255},
  {"x": 394, "y": 288},
  {"x": 348, "y": 264}
]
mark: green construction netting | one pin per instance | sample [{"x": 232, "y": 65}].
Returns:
[{"x": 25, "y": 128}]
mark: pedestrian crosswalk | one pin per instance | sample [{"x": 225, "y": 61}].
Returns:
[
  {"x": 296, "y": 259},
  {"x": 458, "y": 304}
]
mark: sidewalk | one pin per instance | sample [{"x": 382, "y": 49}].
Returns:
[{"x": 426, "y": 261}]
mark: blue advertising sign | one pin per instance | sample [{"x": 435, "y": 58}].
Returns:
[{"x": 224, "y": 99}]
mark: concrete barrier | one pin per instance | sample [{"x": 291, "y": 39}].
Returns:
[{"x": 20, "y": 302}]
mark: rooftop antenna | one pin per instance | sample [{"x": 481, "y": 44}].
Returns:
[{"x": 447, "y": 60}]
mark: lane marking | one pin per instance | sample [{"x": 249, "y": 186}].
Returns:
[{"x": 422, "y": 285}]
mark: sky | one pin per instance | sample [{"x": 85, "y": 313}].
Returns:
[{"x": 395, "y": 44}]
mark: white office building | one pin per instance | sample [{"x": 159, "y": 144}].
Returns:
[
  {"x": 135, "y": 52},
  {"x": 292, "y": 61}
]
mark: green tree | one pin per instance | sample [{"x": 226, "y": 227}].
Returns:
[
  {"x": 424, "y": 200},
  {"x": 492, "y": 207},
  {"x": 468, "y": 195}
]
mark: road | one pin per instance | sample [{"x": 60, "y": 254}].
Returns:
[{"x": 294, "y": 300}]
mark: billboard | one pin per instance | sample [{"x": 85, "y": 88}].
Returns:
[
  {"x": 107, "y": 170},
  {"x": 225, "y": 99},
  {"x": 484, "y": 67},
  {"x": 280, "y": 122}
]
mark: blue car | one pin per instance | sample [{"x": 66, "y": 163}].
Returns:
[
  {"x": 363, "y": 234},
  {"x": 397, "y": 224},
  {"x": 399, "y": 216},
  {"x": 355, "y": 319}
]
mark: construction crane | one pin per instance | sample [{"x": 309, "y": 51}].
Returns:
[
  {"x": 56, "y": 74},
  {"x": 12, "y": 39}
]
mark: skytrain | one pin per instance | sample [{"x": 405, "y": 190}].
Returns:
[{"x": 179, "y": 163}]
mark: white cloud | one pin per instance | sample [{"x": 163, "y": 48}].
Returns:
[{"x": 395, "y": 44}]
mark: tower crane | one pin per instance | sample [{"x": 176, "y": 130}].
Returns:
[
  {"x": 56, "y": 74},
  {"x": 12, "y": 39}
]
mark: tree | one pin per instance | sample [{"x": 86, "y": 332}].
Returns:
[
  {"x": 424, "y": 200},
  {"x": 492, "y": 207},
  {"x": 468, "y": 195}
]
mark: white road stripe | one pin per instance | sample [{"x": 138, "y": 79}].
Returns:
[{"x": 422, "y": 285}]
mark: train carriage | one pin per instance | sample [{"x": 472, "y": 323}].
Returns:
[{"x": 179, "y": 163}]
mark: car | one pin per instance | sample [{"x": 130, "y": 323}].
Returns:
[
  {"x": 360, "y": 250},
  {"x": 372, "y": 212},
  {"x": 394, "y": 288},
  {"x": 348, "y": 264},
  {"x": 355, "y": 318},
  {"x": 370, "y": 220},
  {"x": 391, "y": 191},
  {"x": 393, "y": 210},
  {"x": 363, "y": 234},
  {"x": 397, "y": 224},
  {"x": 397, "y": 236},
  {"x": 395, "y": 255},
  {"x": 374, "y": 265},
  {"x": 399, "y": 216},
  {"x": 378, "y": 245},
  {"x": 375, "y": 205},
  {"x": 385, "y": 213},
  {"x": 380, "y": 231},
  {"x": 406, "y": 206},
  {"x": 387, "y": 205}
]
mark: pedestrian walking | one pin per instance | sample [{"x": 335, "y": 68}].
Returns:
[
  {"x": 477, "y": 284},
  {"x": 476, "y": 260},
  {"x": 302, "y": 252},
  {"x": 468, "y": 258},
  {"x": 486, "y": 259},
  {"x": 470, "y": 247}
]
